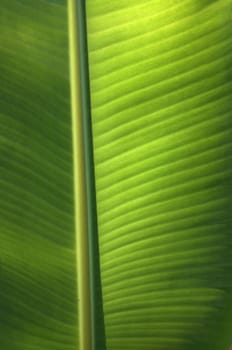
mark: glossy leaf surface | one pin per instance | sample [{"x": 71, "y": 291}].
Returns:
[
  {"x": 161, "y": 99},
  {"x": 160, "y": 77}
]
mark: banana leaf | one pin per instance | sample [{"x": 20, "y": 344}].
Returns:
[{"x": 115, "y": 231}]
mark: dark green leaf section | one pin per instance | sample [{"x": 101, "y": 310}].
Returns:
[
  {"x": 38, "y": 308},
  {"x": 161, "y": 103}
]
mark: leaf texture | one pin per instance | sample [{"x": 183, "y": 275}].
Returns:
[
  {"x": 160, "y": 75},
  {"x": 161, "y": 108},
  {"x": 38, "y": 303}
]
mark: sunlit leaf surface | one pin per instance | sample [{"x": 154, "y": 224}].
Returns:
[
  {"x": 161, "y": 104},
  {"x": 160, "y": 75}
]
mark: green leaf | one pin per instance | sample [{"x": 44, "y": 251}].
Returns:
[
  {"x": 38, "y": 303},
  {"x": 161, "y": 106},
  {"x": 160, "y": 93}
]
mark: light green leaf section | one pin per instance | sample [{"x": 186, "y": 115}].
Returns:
[
  {"x": 38, "y": 302},
  {"x": 161, "y": 107}
]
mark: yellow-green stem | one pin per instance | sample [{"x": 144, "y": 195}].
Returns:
[{"x": 79, "y": 185}]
